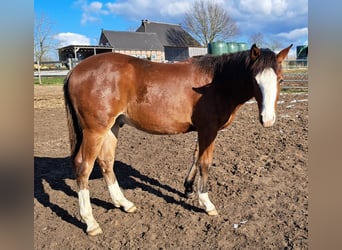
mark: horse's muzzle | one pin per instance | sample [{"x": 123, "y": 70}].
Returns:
[{"x": 267, "y": 122}]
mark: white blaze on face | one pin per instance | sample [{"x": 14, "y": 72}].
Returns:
[{"x": 267, "y": 81}]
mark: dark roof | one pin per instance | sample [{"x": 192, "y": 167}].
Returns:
[
  {"x": 72, "y": 46},
  {"x": 169, "y": 34},
  {"x": 131, "y": 40}
]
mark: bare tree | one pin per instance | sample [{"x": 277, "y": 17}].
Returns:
[
  {"x": 43, "y": 42},
  {"x": 257, "y": 38},
  {"x": 207, "y": 21},
  {"x": 274, "y": 45}
]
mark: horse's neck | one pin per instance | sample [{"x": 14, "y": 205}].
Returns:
[
  {"x": 237, "y": 92},
  {"x": 246, "y": 93}
]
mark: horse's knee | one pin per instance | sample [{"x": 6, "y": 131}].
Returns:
[
  {"x": 106, "y": 164},
  {"x": 77, "y": 161},
  {"x": 107, "y": 153},
  {"x": 82, "y": 172}
]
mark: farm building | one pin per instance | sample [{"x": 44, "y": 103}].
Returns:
[
  {"x": 178, "y": 44},
  {"x": 142, "y": 45},
  {"x": 80, "y": 52},
  {"x": 153, "y": 41}
]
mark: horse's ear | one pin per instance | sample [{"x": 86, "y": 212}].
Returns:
[
  {"x": 255, "y": 52},
  {"x": 282, "y": 54}
]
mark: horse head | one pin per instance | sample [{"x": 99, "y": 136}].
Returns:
[{"x": 266, "y": 66}]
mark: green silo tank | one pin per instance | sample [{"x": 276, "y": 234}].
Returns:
[
  {"x": 243, "y": 46},
  {"x": 218, "y": 48},
  {"x": 232, "y": 47}
]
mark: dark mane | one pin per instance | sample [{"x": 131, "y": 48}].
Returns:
[
  {"x": 236, "y": 63},
  {"x": 267, "y": 59}
]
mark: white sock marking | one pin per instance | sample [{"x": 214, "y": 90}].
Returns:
[
  {"x": 205, "y": 201},
  {"x": 267, "y": 81},
  {"x": 118, "y": 198},
  {"x": 85, "y": 209}
]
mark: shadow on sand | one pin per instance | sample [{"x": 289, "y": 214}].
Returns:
[{"x": 56, "y": 170}]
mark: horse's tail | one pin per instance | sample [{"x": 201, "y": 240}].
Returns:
[{"x": 75, "y": 131}]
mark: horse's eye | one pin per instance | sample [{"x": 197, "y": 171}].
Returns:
[{"x": 281, "y": 81}]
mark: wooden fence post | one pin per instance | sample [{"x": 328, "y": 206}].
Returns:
[{"x": 39, "y": 76}]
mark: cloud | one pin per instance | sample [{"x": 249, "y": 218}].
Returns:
[
  {"x": 176, "y": 8},
  {"x": 95, "y": 7},
  {"x": 269, "y": 17},
  {"x": 249, "y": 14},
  {"x": 91, "y": 12},
  {"x": 171, "y": 11},
  {"x": 128, "y": 8},
  {"x": 269, "y": 9},
  {"x": 294, "y": 34},
  {"x": 264, "y": 8},
  {"x": 260, "y": 13},
  {"x": 69, "y": 38}
]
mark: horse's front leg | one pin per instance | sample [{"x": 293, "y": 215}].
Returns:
[
  {"x": 206, "y": 149},
  {"x": 190, "y": 178}
]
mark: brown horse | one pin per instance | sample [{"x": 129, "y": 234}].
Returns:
[{"x": 203, "y": 94}]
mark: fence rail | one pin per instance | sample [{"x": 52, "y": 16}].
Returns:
[
  {"x": 295, "y": 71},
  {"x": 295, "y": 64}
]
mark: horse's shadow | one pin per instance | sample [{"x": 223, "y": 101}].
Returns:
[{"x": 55, "y": 171}]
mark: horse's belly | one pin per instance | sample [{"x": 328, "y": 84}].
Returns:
[
  {"x": 159, "y": 122},
  {"x": 161, "y": 109}
]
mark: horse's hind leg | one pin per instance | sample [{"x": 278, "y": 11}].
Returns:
[
  {"x": 83, "y": 164},
  {"x": 106, "y": 161}
]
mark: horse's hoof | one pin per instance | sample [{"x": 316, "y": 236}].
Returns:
[
  {"x": 212, "y": 212},
  {"x": 95, "y": 232},
  {"x": 189, "y": 194},
  {"x": 132, "y": 209}
]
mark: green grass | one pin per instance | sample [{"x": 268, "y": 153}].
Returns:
[
  {"x": 295, "y": 70},
  {"x": 294, "y": 90},
  {"x": 50, "y": 80}
]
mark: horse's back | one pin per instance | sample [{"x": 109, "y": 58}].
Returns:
[{"x": 154, "y": 97}]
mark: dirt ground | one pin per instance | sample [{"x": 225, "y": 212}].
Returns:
[{"x": 258, "y": 182}]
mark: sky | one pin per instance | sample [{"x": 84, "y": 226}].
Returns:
[{"x": 80, "y": 22}]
